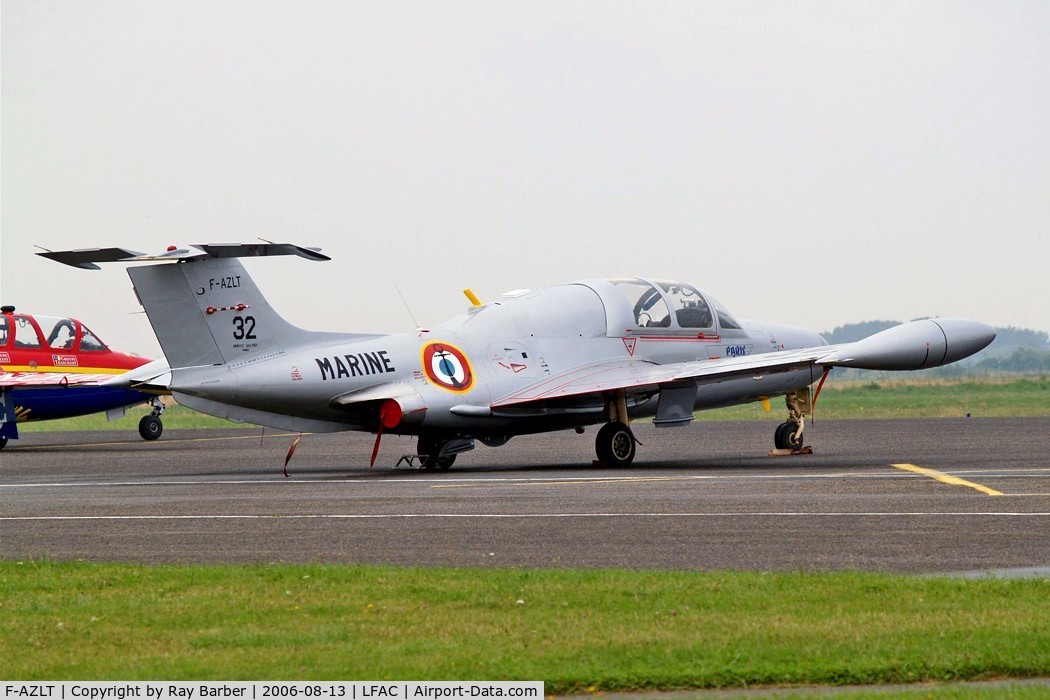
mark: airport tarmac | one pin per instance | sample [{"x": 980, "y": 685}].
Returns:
[{"x": 924, "y": 496}]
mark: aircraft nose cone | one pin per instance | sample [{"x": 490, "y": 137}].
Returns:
[{"x": 964, "y": 337}]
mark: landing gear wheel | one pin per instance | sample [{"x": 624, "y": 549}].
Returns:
[
  {"x": 150, "y": 427},
  {"x": 442, "y": 463},
  {"x": 779, "y": 438},
  {"x": 428, "y": 449},
  {"x": 785, "y": 437},
  {"x": 615, "y": 445}
]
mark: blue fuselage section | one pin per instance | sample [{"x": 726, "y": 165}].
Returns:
[
  {"x": 32, "y": 404},
  {"x": 51, "y": 403}
]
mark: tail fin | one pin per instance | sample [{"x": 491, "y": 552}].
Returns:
[
  {"x": 208, "y": 311},
  {"x": 204, "y": 307}
]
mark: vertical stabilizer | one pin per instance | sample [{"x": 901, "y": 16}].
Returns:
[{"x": 208, "y": 311}]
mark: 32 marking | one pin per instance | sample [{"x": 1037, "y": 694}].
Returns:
[{"x": 244, "y": 328}]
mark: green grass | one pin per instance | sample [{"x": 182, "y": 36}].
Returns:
[
  {"x": 916, "y": 398},
  {"x": 573, "y": 629},
  {"x": 906, "y": 398},
  {"x": 1015, "y": 691},
  {"x": 174, "y": 417}
]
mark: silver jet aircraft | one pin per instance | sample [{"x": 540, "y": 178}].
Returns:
[{"x": 593, "y": 352}]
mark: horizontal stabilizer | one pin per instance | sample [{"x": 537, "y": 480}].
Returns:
[
  {"x": 87, "y": 257},
  {"x": 168, "y": 255},
  {"x": 251, "y": 250}
]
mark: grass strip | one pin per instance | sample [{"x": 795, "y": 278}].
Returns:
[
  {"x": 915, "y": 398},
  {"x": 574, "y": 629},
  {"x": 1017, "y": 690},
  {"x": 174, "y": 417}
]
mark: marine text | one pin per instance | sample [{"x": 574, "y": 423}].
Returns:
[{"x": 354, "y": 365}]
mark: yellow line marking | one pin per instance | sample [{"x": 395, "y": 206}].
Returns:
[{"x": 947, "y": 479}]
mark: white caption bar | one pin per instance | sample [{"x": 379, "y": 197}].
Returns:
[{"x": 277, "y": 690}]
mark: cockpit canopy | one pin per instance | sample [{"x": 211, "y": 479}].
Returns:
[
  {"x": 660, "y": 307},
  {"x": 595, "y": 308},
  {"x": 25, "y": 332}
]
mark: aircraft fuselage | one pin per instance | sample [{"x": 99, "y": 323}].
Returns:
[{"x": 452, "y": 374}]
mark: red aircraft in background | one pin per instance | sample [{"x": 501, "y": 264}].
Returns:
[{"x": 55, "y": 367}]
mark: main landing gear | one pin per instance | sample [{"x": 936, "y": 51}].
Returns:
[
  {"x": 615, "y": 444},
  {"x": 429, "y": 450},
  {"x": 788, "y": 435},
  {"x": 150, "y": 426},
  {"x": 436, "y": 452}
]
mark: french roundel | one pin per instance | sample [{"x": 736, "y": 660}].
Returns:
[{"x": 448, "y": 367}]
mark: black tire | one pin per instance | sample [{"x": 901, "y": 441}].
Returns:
[
  {"x": 3, "y": 443},
  {"x": 780, "y": 440},
  {"x": 429, "y": 449},
  {"x": 615, "y": 445},
  {"x": 783, "y": 435},
  {"x": 150, "y": 427},
  {"x": 442, "y": 463}
]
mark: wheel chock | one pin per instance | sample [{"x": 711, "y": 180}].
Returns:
[{"x": 787, "y": 452}]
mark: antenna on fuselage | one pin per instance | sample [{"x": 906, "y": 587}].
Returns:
[{"x": 407, "y": 307}]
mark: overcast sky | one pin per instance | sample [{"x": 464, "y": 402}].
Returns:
[{"x": 813, "y": 163}]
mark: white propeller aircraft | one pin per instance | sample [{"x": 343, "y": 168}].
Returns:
[{"x": 596, "y": 351}]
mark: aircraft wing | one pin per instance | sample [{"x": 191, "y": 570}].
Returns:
[
  {"x": 50, "y": 379},
  {"x": 915, "y": 345},
  {"x": 638, "y": 376}
]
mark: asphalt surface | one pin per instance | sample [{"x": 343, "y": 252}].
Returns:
[{"x": 708, "y": 496}]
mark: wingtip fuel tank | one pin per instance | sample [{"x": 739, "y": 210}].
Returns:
[{"x": 923, "y": 344}]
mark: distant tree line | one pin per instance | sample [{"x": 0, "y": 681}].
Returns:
[
  {"x": 1023, "y": 359},
  {"x": 1014, "y": 350}
]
